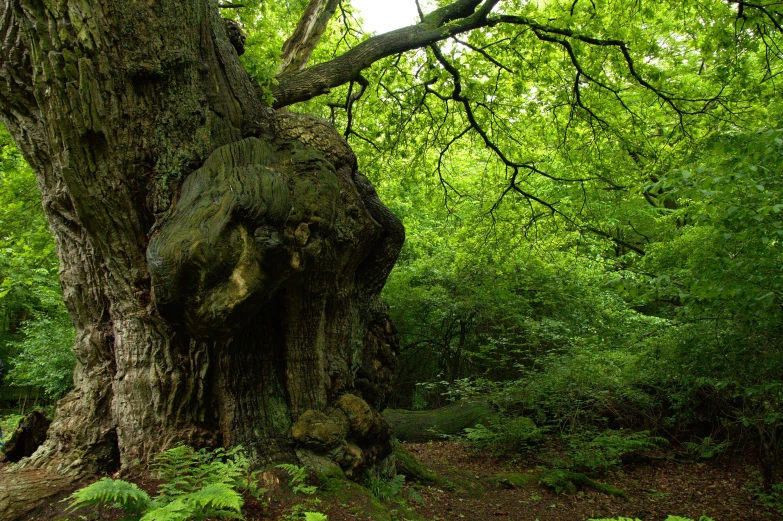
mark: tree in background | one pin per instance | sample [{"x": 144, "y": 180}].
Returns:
[{"x": 36, "y": 335}]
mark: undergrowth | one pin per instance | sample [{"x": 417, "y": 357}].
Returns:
[{"x": 195, "y": 485}]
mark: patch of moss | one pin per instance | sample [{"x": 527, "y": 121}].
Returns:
[
  {"x": 411, "y": 468},
  {"x": 561, "y": 480},
  {"x": 344, "y": 492},
  {"x": 512, "y": 479}
]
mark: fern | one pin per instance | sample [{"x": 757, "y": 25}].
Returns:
[
  {"x": 196, "y": 485},
  {"x": 115, "y": 492},
  {"x": 386, "y": 489},
  {"x": 177, "y": 510},
  {"x": 216, "y": 497},
  {"x": 185, "y": 470},
  {"x": 298, "y": 476}
]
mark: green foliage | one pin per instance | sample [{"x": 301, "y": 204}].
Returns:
[
  {"x": 773, "y": 497},
  {"x": 305, "y": 511},
  {"x": 385, "y": 488},
  {"x": 195, "y": 485},
  {"x": 605, "y": 451},
  {"x": 115, "y": 492},
  {"x": 505, "y": 435},
  {"x": 36, "y": 334},
  {"x": 45, "y": 355},
  {"x": 8, "y": 424},
  {"x": 185, "y": 470},
  {"x": 298, "y": 477},
  {"x": 706, "y": 448}
]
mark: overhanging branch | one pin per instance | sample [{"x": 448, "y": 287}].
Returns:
[{"x": 458, "y": 17}]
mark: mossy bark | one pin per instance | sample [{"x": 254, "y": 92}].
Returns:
[
  {"x": 434, "y": 424},
  {"x": 221, "y": 262}
]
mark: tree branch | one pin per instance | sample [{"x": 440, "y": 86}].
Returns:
[
  {"x": 298, "y": 48},
  {"x": 458, "y": 17}
]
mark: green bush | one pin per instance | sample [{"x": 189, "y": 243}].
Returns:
[
  {"x": 8, "y": 425},
  {"x": 505, "y": 435},
  {"x": 602, "y": 452}
]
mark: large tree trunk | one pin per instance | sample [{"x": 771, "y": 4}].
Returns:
[{"x": 221, "y": 262}]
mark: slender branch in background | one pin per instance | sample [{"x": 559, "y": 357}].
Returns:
[
  {"x": 231, "y": 6},
  {"x": 298, "y": 48},
  {"x": 616, "y": 240},
  {"x": 485, "y": 54},
  {"x": 350, "y": 99}
]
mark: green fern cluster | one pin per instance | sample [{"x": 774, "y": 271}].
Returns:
[
  {"x": 602, "y": 452},
  {"x": 298, "y": 476},
  {"x": 196, "y": 485},
  {"x": 385, "y": 489}
]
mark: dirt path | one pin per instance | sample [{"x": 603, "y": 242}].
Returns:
[{"x": 654, "y": 491}]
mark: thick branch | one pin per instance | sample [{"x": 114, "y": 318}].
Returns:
[
  {"x": 458, "y": 17},
  {"x": 298, "y": 48}
]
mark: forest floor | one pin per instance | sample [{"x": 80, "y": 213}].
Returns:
[{"x": 480, "y": 487}]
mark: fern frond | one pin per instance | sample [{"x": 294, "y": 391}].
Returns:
[
  {"x": 297, "y": 473},
  {"x": 177, "y": 510},
  {"x": 217, "y": 496},
  {"x": 116, "y": 492}
]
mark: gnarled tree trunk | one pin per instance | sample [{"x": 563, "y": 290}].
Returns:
[{"x": 221, "y": 262}]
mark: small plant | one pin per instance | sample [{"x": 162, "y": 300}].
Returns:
[
  {"x": 385, "y": 489},
  {"x": 605, "y": 451},
  {"x": 772, "y": 498},
  {"x": 196, "y": 485},
  {"x": 505, "y": 436},
  {"x": 298, "y": 476},
  {"x": 305, "y": 511},
  {"x": 707, "y": 448}
]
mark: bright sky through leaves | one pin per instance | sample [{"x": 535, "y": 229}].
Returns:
[{"x": 382, "y": 16}]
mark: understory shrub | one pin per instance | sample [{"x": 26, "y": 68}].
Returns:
[
  {"x": 505, "y": 435},
  {"x": 605, "y": 451}
]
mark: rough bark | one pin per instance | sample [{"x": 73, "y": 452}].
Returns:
[{"x": 221, "y": 263}]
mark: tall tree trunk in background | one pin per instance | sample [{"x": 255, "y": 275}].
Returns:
[{"x": 221, "y": 262}]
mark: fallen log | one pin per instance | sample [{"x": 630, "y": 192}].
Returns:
[{"x": 437, "y": 423}]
